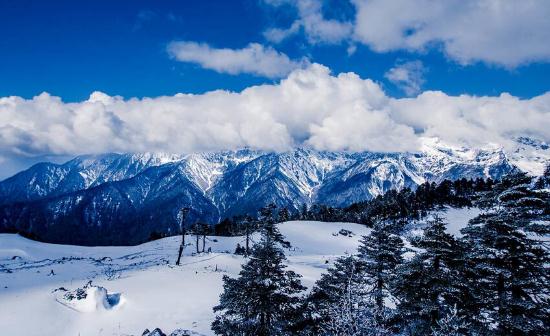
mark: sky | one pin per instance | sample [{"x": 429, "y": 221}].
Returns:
[{"x": 97, "y": 76}]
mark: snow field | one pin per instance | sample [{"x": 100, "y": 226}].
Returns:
[{"x": 153, "y": 291}]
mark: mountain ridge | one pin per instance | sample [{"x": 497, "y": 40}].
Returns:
[{"x": 123, "y": 198}]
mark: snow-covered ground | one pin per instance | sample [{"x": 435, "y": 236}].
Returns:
[
  {"x": 150, "y": 290},
  {"x": 154, "y": 292}
]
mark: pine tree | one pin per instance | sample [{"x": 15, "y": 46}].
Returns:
[
  {"x": 429, "y": 286},
  {"x": 264, "y": 299},
  {"x": 339, "y": 303},
  {"x": 333, "y": 304},
  {"x": 517, "y": 200},
  {"x": 267, "y": 222},
  {"x": 239, "y": 250},
  {"x": 283, "y": 215},
  {"x": 507, "y": 264},
  {"x": 380, "y": 253},
  {"x": 452, "y": 324}
]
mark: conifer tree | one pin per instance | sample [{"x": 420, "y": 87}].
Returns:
[
  {"x": 263, "y": 300},
  {"x": 283, "y": 215},
  {"x": 380, "y": 253},
  {"x": 267, "y": 222},
  {"x": 507, "y": 263},
  {"x": 333, "y": 305},
  {"x": 428, "y": 286},
  {"x": 339, "y": 304}
]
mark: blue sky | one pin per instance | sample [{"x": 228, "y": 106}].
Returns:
[{"x": 73, "y": 48}]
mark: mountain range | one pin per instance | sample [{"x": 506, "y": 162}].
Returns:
[{"x": 122, "y": 198}]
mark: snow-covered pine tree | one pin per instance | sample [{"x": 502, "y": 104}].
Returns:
[
  {"x": 333, "y": 306},
  {"x": 452, "y": 324},
  {"x": 428, "y": 286},
  {"x": 507, "y": 263},
  {"x": 516, "y": 198},
  {"x": 263, "y": 300},
  {"x": 380, "y": 253},
  {"x": 338, "y": 304}
]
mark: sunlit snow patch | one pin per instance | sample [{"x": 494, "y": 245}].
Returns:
[{"x": 89, "y": 298}]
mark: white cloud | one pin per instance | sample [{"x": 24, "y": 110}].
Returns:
[
  {"x": 253, "y": 59},
  {"x": 474, "y": 120},
  {"x": 501, "y": 32},
  {"x": 316, "y": 27},
  {"x": 408, "y": 76},
  {"x": 277, "y": 35},
  {"x": 506, "y": 33},
  {"x": 310, "y": 107}
]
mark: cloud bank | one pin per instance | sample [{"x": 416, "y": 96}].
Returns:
[
  {"x": 253, "y": 59},
  {"x": 311, "y": 107}
]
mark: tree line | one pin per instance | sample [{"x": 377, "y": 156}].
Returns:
[{"x": 398, "y": 206}]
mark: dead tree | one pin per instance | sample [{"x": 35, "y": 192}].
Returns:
[
  {"x": 200, "y": 230},
  {"x": 183, "y": 215},
  {"x": 205, "y": 230}
]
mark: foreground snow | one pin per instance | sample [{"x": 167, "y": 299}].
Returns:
[
  {"x": 155, "y": 292},
  {"x": 150, "y": 290}
]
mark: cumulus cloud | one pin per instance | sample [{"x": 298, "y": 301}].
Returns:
[
  {"x": 316, "y": 27},
  {"x": 506, "y": 33},
  {"x": 253, "y": 59},
  {"x": 408, "y": 76},
  {"x": 311, "y": 107}
]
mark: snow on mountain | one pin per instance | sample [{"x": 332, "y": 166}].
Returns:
[
  {"x": 205, "y": 168},
  {"x": 287, "y": 179},
  {"x": 82, "y": 172},
  {"x": 123, "y": 198},
  {"x": 530, "y": 155},
  {"x": 368, "y": 177}
]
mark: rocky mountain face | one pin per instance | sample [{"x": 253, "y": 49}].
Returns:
[{"x": 123, "y": 198}]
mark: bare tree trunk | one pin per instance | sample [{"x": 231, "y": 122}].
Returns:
[
  {"x": 203, "y": 240},
  {"x": 197, "y": 243},
  {"x": 181, "y": 247},
  {"x": 184, "y": 212}
]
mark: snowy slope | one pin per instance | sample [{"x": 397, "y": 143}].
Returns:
[{"x": 155, "y": 293}]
